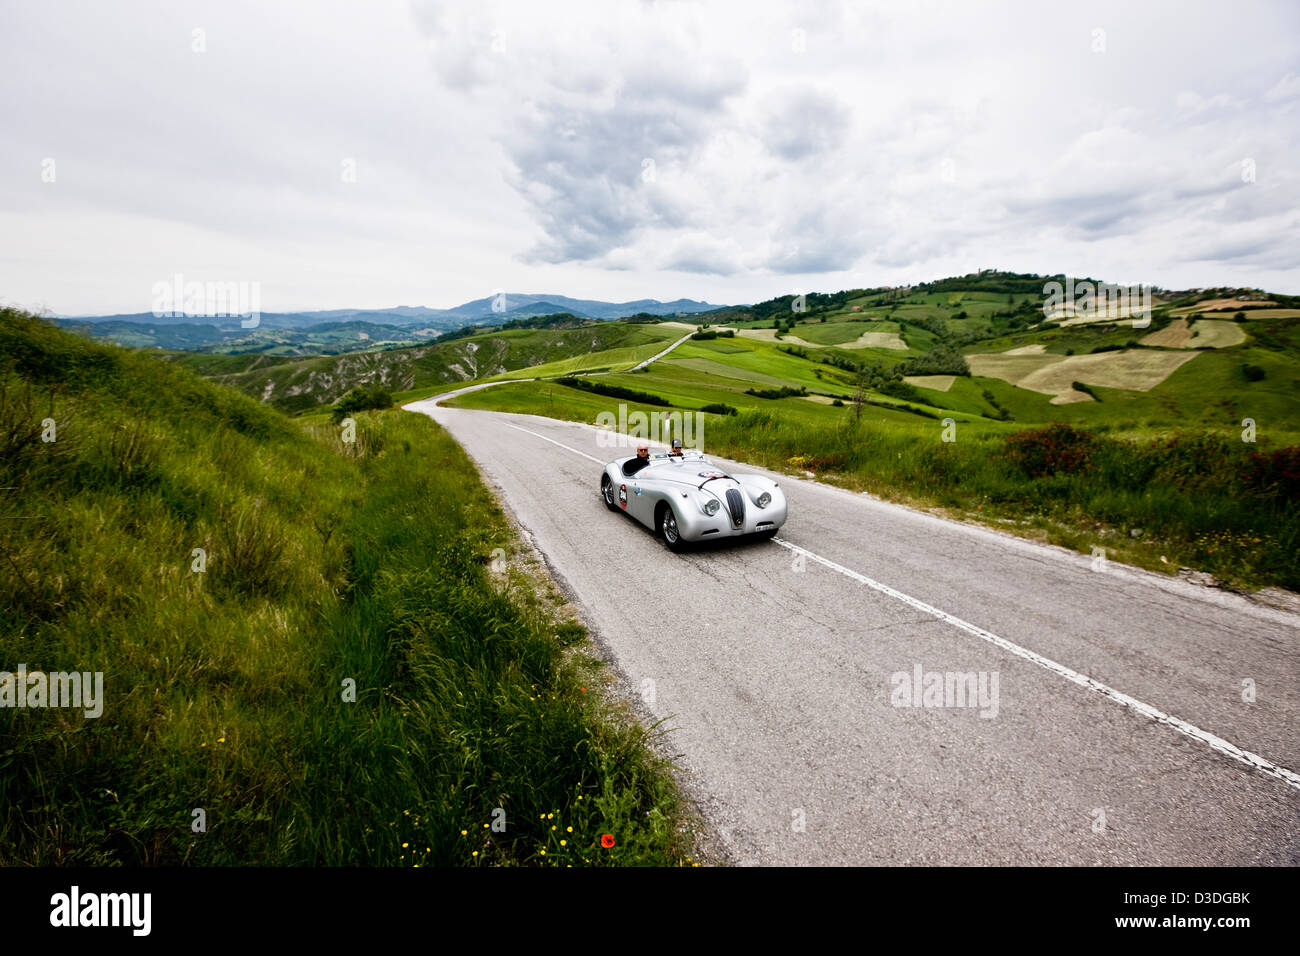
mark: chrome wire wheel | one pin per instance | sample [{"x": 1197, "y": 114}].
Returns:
[{"x": 672, "y": 534}]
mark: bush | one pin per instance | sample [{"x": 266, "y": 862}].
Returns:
[
  {"x": 360, "y": 400},
  {"x": 1252, "y": 373},
  {"x": 784, "y": 391},
  {"x": 900, "y": 389},
  {"x": 1275, "y": 475},
  {"x": 1056, "y": 449},
  {"x": 941, "y": 360},
  {"x": 717, "y": 408},
  {"x": 613, "y": 391}
]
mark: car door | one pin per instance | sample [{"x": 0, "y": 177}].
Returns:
[{"x": 639, "y": 503}]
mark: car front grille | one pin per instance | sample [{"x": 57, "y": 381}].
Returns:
[{"x": 736, "y": 505}]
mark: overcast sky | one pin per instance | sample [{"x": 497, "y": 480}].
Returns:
[{"x": 624, "y": 150}]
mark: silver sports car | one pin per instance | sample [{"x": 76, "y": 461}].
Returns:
[{"x": 686, "y": 498}]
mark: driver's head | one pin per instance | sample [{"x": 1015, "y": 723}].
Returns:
[
  {"x": 643, "y": 451},
  {"x": 677, "y": 446}
]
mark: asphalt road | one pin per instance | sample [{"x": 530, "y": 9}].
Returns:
[{"x": 1118, "y": 733}]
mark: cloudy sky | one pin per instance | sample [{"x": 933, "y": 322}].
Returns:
[{"x": 425, "y": 153}]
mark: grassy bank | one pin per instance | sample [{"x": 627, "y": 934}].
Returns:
[
  {"x": 227, "y": 670},
  {"x": 1201, "y": 499}
]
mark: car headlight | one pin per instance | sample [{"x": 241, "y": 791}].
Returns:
[
  {"x": 764, "y": 500},
  {"x": 711, "y": 507}
]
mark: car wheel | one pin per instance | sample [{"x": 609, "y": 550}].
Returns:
[
  {"x": 766, "y": 535},
  {"x": 668, "y": 528},
  {"x": 607, "y": 492}
]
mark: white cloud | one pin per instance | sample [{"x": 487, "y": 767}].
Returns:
[{"x": 726, "y": 151}]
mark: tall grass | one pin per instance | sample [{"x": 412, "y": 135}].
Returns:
[
  {"x": 1203, "y": 499},
  {"x": 323, "y": 563}
]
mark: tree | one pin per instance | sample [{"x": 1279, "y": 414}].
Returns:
[{"x": 861, "y": 380}]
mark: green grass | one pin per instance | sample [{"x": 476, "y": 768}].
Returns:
[
  {"x": 325, "y": 561},
  {"x": 1186, "y": 492}
]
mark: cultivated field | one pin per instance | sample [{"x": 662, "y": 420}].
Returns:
[
  {"x": 1205, "y": 334},
  {"x": 1138, "y": 370}
]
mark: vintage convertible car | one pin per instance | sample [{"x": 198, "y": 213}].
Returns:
[{"x": 686, "y": 498}]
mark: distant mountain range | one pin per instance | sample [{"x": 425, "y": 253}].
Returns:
[{"x": 491, "y": 309}]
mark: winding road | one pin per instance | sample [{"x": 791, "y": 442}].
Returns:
[{"x": 815, "y": 685}]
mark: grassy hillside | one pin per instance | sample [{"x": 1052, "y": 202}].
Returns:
[
  {"x": 323, "y": 562},
  {"x": 308, "y": 383}
]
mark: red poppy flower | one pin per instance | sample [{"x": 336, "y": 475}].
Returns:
[{"x": 607, "y": 840}]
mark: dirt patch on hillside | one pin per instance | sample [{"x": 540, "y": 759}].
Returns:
[
  {"x": 1175, "y": 335},
  {"x": 1137, "y": 370},
  {"x": 876, "y": 340},
  {"x": 1225, "y": 305},
  {"x": 769, "y": 335},
  {"x": 940, "y": 383},
  {"x": 1205, "y": 334}
]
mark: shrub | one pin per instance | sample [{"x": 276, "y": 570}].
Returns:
[
  {"x": 1056, "y": 449},
  {"x": 360, "y": 400},
  {"x": 1275, "y": 475},
  {"x": 614, "y": 391},
  {"x": 785, "y": 391},
  {"x": 900, "y": 389},
  {"x": 941, "y": 360},
  {"x": 717, "y": 408},
  {"x": 1253, "y": 373}
]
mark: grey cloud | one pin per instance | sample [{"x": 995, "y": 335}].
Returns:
[
  {"x": 804, "y": 123},
  {"x": 596, "y": 176}
]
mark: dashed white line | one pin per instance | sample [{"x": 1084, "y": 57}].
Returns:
[{"x": 1182, "y": 726}]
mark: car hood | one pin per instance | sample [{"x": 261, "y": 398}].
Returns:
[{"x": 692, "y": 473}]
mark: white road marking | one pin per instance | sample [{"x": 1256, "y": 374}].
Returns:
[
  {"x": 554, "y": 442},
  {"x": 1159, "y": 716},
  {"x": 1182, "y": 726}
]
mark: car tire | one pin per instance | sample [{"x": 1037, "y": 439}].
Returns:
[
  {"x": 608, "y": 493},
  {"x": 766, "y": 535},
  {"x": 669, "y": 530}
]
